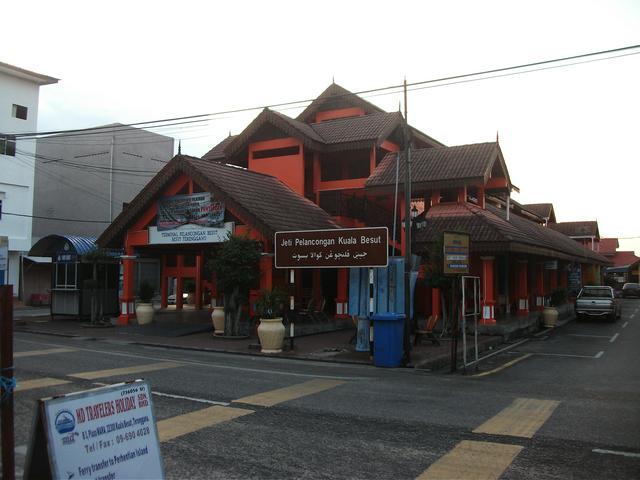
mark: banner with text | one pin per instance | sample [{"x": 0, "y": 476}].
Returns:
[
  {"x": 194, "y": 209},
  {"x": 190, "y": 234},
  {"x": 340, "y": 248}
]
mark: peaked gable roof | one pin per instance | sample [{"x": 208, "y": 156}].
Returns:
[
  {"x": 442, "y": 167},
  {"x": 542, "y": 210},
  {"x": 587, "y": 228},
  {"x": 270, "y": 205},
  {"x": 331, "y": 94}
]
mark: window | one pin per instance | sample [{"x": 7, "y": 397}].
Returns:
[
  {"x": 19, "y": 111},
  {"x": 8, "y": 145},
  {"x": 66, "y": 276}
]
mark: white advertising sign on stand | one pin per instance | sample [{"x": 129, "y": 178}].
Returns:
[{"x": 107, "y": 434}]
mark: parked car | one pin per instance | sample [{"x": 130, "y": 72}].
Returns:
[
  {"x": 597, "y": 302},
  {"x": 631, "y": 290}
]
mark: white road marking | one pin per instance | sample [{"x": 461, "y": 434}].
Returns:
[
  {"x": 624, "y": 325},
  {"x": 590, "y": 336},
  {"x": 614, "y": 452},
  {"x": 565, "y": 355},
  {"x": 613, "y": 339},
  {"x": 599, "y": 354},
  {"x": 177, "y": 397},
  {"x": 202, "y": 364}
]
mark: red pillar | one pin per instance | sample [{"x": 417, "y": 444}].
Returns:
[
  {"x": 523, "y": 288},
  {"x": 179, "y": 282},
  {"x": 127, "y": 298},
  {"x": 317, "y": 286},
  {"x": 488, "y": 302},
  {"x": 342, "y": 302},
  {"x": 164, "y": 284},
  {"x": 435, "y": 197},
  {"x": 199, "y": 257},
  {"x": 462, "y": 194},
  {"x": 539, "y": 293},
  {"x": 435, "y": 302},
  {"x": 562, "y": 273},
  {"x": 266, "y": 273},
  {"x": 481, "y": 198}
]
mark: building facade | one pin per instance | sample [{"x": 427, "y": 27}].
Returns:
[{"x": 19, "y": 94}]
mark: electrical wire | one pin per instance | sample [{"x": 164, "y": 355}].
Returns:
[{"x": 300, "y": 103}]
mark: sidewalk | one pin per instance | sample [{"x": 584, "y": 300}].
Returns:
[{"x": 192, "y": 330}]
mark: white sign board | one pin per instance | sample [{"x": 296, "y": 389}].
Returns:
[
  {"x": 190, "y": 234},
  {"x": 4, "y": 256},
  {"x": 107, "y": 433}
]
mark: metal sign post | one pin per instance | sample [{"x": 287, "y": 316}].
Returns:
[{"x": 474, "y": 313}]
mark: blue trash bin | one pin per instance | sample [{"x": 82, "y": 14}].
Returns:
[{"x": 388, "y": 339}]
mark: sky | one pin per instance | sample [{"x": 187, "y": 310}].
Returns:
[{"x": 569, "y": 135}]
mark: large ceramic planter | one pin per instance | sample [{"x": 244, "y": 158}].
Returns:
[
  {"x": 217, "y": 316},
  {"x": 144, "y": 313},
  {"x": 550, "y": 317},
  {"x": 271, "y": 334}
]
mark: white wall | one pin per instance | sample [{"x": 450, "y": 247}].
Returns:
[{"x": 17, "y": 173}]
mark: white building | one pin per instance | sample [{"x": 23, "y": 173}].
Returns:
[{"x": 19, "y": 92}]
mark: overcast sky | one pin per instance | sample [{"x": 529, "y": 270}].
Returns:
[{"x": 569, "y": 135}]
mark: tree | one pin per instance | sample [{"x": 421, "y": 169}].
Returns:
[{"x": 237, "y": 269}]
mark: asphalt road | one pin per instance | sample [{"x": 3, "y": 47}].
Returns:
[{"x": 564, "y": 405}]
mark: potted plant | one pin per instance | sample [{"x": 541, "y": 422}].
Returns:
[
  {"x": 550, "y": 313},
  {"x": 217, "y": 317},
  {"x": 270, "y": 305},
  {"x": 144, "y": 308}
]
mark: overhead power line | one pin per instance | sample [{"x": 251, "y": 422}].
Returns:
[
  {"x": 485, "y": 74},
  {"x": 56, "y": 219}
]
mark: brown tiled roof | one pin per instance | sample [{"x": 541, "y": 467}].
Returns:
[
  {"x": 577, "y": 229},
  {"x": 332, "y": 93},
  {"x": 543, "y": 210},
  {"x": 261, "y": 200},
  {"x": 441, "y": 167},
  {"x": 608, "y": 245},
  {"x": 491, "y": 232},
  {"x": 217, "y": 152},
  {"x": 624, "y": 258}
]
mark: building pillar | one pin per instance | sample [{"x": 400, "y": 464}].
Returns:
[
  {"x": 462, "y": 194},
  {"x": 539, "y": 290},
  {"x": 435, "y": 197},
  {"x": 199, "y": 257},
  {"x": 563, "y": 275},
  {"x": 179, "y": 281},
  {"x": 481, "y": 198},
  {"x": 342, "y": 302},
  {"x": 127, "y": 298},
  {"x": 488, "y": 296},
  {"x": 317, "y": 286},
  {"x": 266, "y": 272},
  {"x": 523, "y": 288},
  {"x": 553, "y": 277},
  {"x": 164, "y": 283},
  {"x": 435, "y": 302}
]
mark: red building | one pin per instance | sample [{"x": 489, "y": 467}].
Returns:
[{"x": 335, "y": 166}]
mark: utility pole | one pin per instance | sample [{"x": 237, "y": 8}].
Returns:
[
  {"x": 407, "y": 234},
  {"x": 8, "y": 382}
]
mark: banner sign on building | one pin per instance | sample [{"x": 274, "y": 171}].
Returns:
[
  {"x": 106, "y": 433},
  {"x": 190, "y": 234},
  {"x": 456, "y": 253},
  {"x": 4, "y": 257},
  {"x": 339, "y": 248},
  {"x": 194, "y": 209}
]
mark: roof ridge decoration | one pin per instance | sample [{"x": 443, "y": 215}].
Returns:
[{"x": 334, "y": 91}]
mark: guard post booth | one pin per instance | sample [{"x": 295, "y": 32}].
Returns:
[
  {"x": 69, "y": 272},
  {"x": 179, "y": 220}
]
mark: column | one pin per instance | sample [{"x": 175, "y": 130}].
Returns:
[
  {"x": 164, "y": 284},
  {"x": 127, "y": 296},
  {"x": 435, "y": 197},
  {"x": 180, "y": 281},
  {"x": 199, "y": 256},
  {"x": 481, "y": 198},
  {"x": 342, "y": 301},
  {"x": 562, "y": 275},
  {"x": 539, "y": 293},
  {"x": 462, "y": 194},
  {"x": 523, "y": 288},
  {"x": 266, "y": 272},
  {"x": 488, "y": 296},
  {"x": 435, "y": 302},
  {"x": 317, "y": 286}
]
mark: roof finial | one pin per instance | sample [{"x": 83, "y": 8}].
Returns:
[
  {"x": 229, "y": 132},
  {"x": 333, "y": 79},
  {"x": 179, "y": 147},
  {"x": 497, "y": 137}
]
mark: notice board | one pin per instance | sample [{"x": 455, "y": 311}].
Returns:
[{"x": 106, "y": 433}]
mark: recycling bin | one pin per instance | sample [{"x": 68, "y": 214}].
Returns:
[{"x": 388, "y": 339}]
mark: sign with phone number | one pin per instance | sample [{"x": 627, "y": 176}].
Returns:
[{"x": 104, "y": 434}]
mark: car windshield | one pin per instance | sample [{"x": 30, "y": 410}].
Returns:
[
  {"x": 595, "y": 292},
  {"x": 631, "y": 286}
]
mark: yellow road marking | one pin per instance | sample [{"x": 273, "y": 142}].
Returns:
[
  {"x": 191, "y": 422},
  {"x": 273, "y": 397},
  {"x": 33, "y": 353},
  {"x": 522, "y": 418},
  {"x": 506, "y": 365},
  {"x": 473, "y": 460},
  {"x": 150, "y": 367},
  {"x": 40, "y": 383}
]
